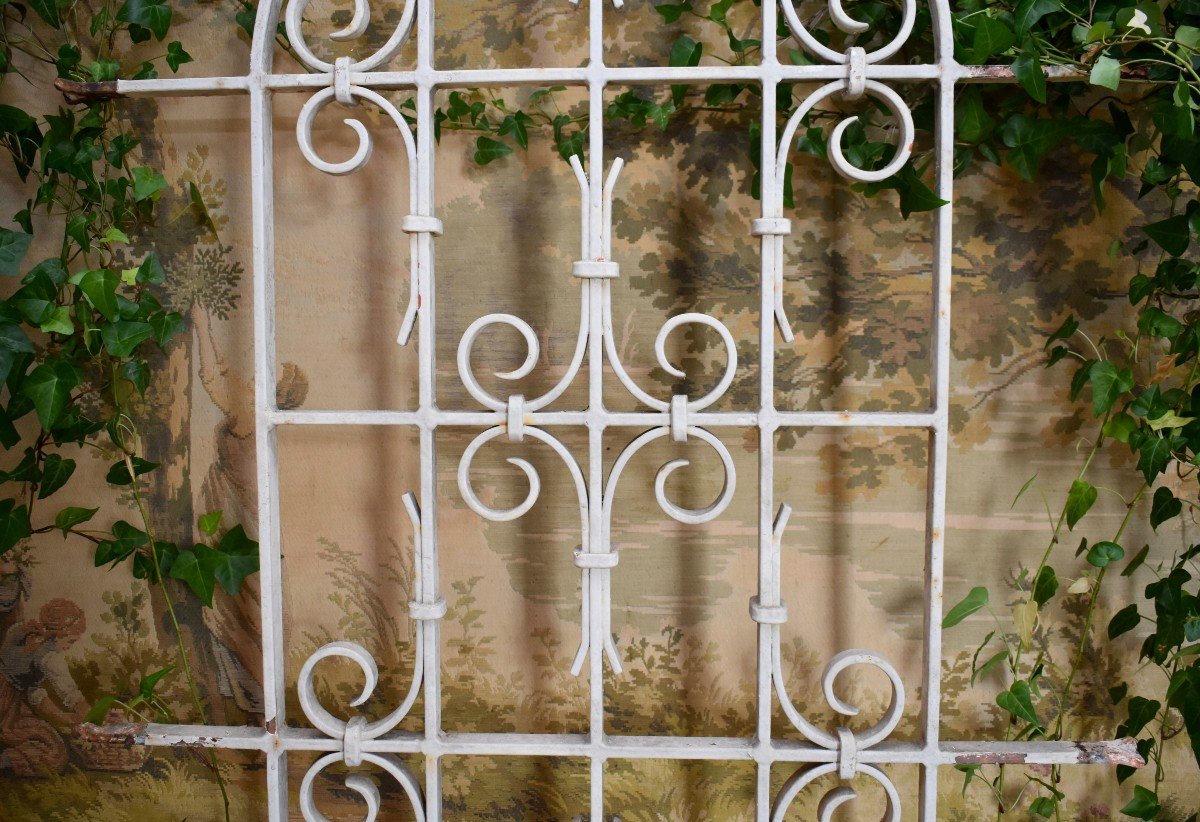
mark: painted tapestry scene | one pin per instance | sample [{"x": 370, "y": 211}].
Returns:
[{"x": 134, "y": 594}]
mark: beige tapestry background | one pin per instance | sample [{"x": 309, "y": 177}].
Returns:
[{"x": 858, "y": 292}]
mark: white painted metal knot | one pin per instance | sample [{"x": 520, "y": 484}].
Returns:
[
  {"x": 596, "y": 561},
  {"x": 516, "y": 418},
  {"x": 771, "y": 226},
  {"x": 422, "y": 611},
  {"x": 679, "y": 417},
  {"x": 596, "y": 269},
  {"x": 768, "y": 614},
  {"x": 352, "y": 739},
  {"x": 847, "y": 760},
  {"x": 341, "y": 82},
  {"x": 422, "y": 223},
  {"x": 856, "y": 72}
]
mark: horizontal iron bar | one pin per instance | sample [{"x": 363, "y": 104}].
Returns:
[
  {"x": 1103, "y": 752},
  {"x": 632, "y": 419},
  {"x": 636, "y": 75}
]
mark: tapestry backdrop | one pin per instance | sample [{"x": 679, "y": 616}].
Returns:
[{"x": 858, "y": 292}]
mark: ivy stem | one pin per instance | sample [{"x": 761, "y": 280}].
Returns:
[
  {"x": 1091, "y": 612},
  {"x": 193, "y": 689}
]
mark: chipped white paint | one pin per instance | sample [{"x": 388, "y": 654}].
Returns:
[{"x": 838, "y": 751}]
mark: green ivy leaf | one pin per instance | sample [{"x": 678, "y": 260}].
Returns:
[
  {"x": 209, "y": 523},
  {"x": 1144, "y": 804},
  {"x": 1028, "y": 484},
  {"x": 1029, "y": 12},
  {"x": 1102, "y": 553},
  {"x": 151, "y": 270},
  {"x": 972, "y": 122},
  {"x": 1028, "y": 70},
  {"x": 148, "y": 184},
  {"x": 13, "y": 341},
  {"x": 1109, "y": 381},
  {"x": 1171, "y": 234},
  {"x": 122, "y": 337},
  {"x": 118, "y": 473},
  {"x": 1157, "y": 323},
  {"x": 487, "y": 149},
  {"x": 100, "y": 289},
  {"x": 48, "y": 11},
  {"x": 1164, "y": 507},
  {"x": 1106, "y": 72},
  {"x": 14, "y": 524},
  {"x": 1043, "y": 806},
  {"x": 1030, "y": 140},
  {"x": 1080, "y": 499},
  {"x": 1018, "y": 701},
  {"x": 992, "y": 36},
  {"x": 718, "y": 11},
  {"x": 99, "y": 710},
  {"x": 517, "y": 124},
  {"x": 202, "y": 567},
  {"x": 55, "y": 472},
  {"x": 166, "y": 326},
  {"x": 1045, "y": 585},
  {"x": 1141, "y": 713},
  {"x": 1124, "y": 621},
  {"x": 914, "y": 194},
  {"x": 152, "y": 14},
  {"x": 150, "y": 681},
  {"x": 1155, "y": 453},
  {"x": 197, "y": 568},
  {"x": 975, "y": 599},
  {"x": 992, "y": 662},
  {"x": 68, "y": 518},
  {"x": 671, "y": 12},
  {"x": 13, "y": 245},
  {"x": 49, "y": 388},
  {"x": 176, "y": 56},
  {"x": 685, "y": 52},
  {"x": 59, "y": 322},
  {"x": 1137, "y": 560},
  {"x": 1119, "y": 426},
  {"x": 1064, "y": 332},
  {"x": 233, "y": 570},
  {"x": 125, "y": 540},
  {"x": 138, "y": 373}
]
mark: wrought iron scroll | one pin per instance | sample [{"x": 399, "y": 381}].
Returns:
[{"x": 355, "y": 741}]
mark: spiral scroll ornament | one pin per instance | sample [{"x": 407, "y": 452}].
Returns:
[
  {"x": 769, "y": 610},
  {"x": 596, "y": 558},
  {"x": 850, "y": 26},
  {"x": 356, "y": 731},
  {"x": 342, "y": 90},
  {"x": 294, "y": 20}
]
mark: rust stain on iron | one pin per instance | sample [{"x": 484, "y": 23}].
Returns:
[
  {"x": 77, "y": 92},
  {"x": 1118, "y": 752},
  {"x": 125, "y": 734}
]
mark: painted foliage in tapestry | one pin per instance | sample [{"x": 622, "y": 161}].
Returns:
[{"x": 858, "y": 290}]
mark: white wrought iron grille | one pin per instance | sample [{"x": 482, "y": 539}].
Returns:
[{"x": 837, "y": 750}]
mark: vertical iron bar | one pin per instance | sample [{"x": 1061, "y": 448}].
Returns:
[
  {"x": 768, "y": 554},
  {"x": 427, "y": 388},
  {"x": 597, "y": 621},
  {"x": 939, "y": 436},
  {"x": 266, "y": 463}
]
